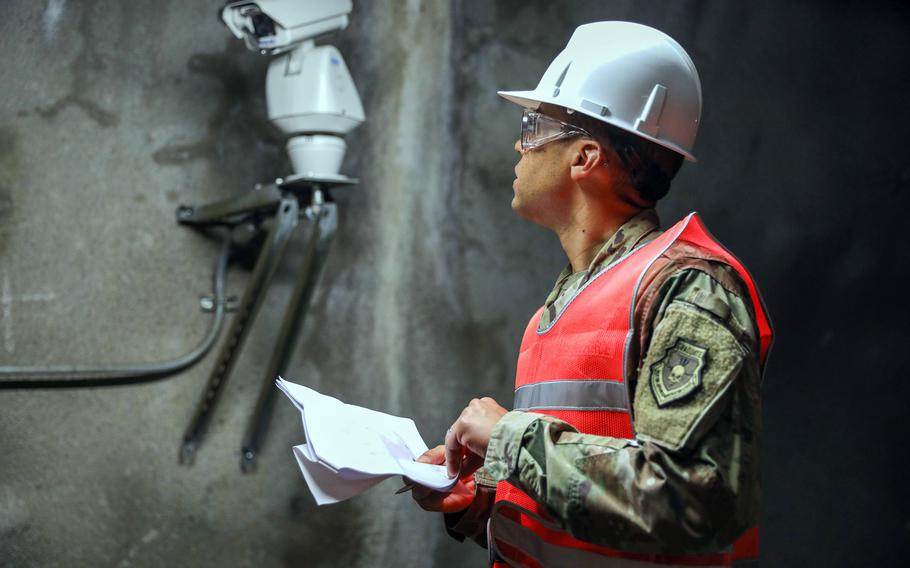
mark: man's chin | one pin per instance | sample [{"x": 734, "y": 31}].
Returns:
[
  {"x": 518, "y": 209},
  {"x": 516, "y": 204}
]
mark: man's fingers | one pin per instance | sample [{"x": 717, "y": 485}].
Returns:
[
  {"x": 420, "y": 492},
  {"x": 454, "y": 451},
  {"x": 436, "y": 456},
  {"x": 431, "y": 502},
  {"x": 458, "y": 499}
]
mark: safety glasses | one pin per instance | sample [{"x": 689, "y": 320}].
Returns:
[{"x": 538, "y": 129}]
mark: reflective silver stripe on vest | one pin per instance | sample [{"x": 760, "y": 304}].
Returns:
[
  {"x": 572, "y": 395},
  {"x": 503, "y": 529}
]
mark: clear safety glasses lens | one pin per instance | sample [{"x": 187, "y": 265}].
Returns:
[{"x": 538, "y": 129}]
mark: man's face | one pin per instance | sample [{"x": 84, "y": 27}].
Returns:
[{"x": 542, "y": 183}]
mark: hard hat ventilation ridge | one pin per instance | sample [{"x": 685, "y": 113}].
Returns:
[
  {"x": 561, "y": 78},
  {"x": 649, "y": 121}
]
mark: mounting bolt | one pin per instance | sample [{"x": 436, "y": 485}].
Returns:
[{"x": 207, "y": 303}]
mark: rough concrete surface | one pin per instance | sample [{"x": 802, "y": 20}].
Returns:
[{"x": 113, "y": 113}]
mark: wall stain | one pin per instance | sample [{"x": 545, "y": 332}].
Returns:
[
  {"x": 104, "y": 118},
  {"x": 10, "y": 169},
  {"x": 88, "y": 60},
  {"x": 238, "y": 114},
  {"x": 8, "y": 141},
  {"x": 10, "y": 176}
]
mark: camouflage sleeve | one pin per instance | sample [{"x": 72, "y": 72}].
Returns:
[{"x": 689, "y": 480}]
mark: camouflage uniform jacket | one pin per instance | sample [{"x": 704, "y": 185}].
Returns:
[{"x": 689, "y": 482}]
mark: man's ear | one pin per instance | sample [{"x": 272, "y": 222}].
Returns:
[{"x": 589, "y": 157}]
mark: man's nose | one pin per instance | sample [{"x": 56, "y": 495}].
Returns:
[{"x": 518, "y": 146}]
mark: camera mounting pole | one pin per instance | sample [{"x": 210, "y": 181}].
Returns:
[{"x": 285, "y": 202}]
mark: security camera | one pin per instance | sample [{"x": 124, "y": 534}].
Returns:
[{"x": 275, "y": 26}]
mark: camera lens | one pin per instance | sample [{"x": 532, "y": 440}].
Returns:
[{"x": 263, "y": 25}]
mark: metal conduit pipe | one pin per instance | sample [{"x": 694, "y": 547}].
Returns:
[{"x": 75, "y": 376}]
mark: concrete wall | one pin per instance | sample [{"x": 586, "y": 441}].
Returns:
[{"x": 113, "y": 113}]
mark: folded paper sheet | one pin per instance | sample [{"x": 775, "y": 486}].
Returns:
[{"x": 349, "y": 448}]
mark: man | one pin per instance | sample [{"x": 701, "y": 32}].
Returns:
[{"x": 635, "y": 435}]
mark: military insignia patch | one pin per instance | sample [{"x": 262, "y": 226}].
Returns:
[{"x": 678, "y": 373}]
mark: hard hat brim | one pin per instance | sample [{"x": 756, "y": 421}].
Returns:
[
  {"x": 533, "y": 100},
  {"x": 527, "y": 99}
]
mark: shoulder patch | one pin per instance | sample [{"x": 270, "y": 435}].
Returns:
[{"x": 679, "y": 373}]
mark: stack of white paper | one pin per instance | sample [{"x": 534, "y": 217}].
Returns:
[{"x": 349, "y": 448}]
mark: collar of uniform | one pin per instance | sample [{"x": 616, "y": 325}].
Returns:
[
  {"x": 639, "y": 229},
  {"x": 633, "y": 232}
]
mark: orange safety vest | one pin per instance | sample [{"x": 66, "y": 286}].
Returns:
[{"x": 577, "y": 370}]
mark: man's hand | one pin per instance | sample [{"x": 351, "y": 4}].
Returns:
[
  {"x": 468, "y": 438},
  {"x": 458, "y": 499},
  {"x": 464, "y": 451}
]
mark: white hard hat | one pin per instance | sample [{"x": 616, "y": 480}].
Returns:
[{"x": 628, "y": 75}]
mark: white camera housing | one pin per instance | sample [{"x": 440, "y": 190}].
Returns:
[
  {"x": 310, "y": 89},
  {"x": 274, "y": 26}
]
